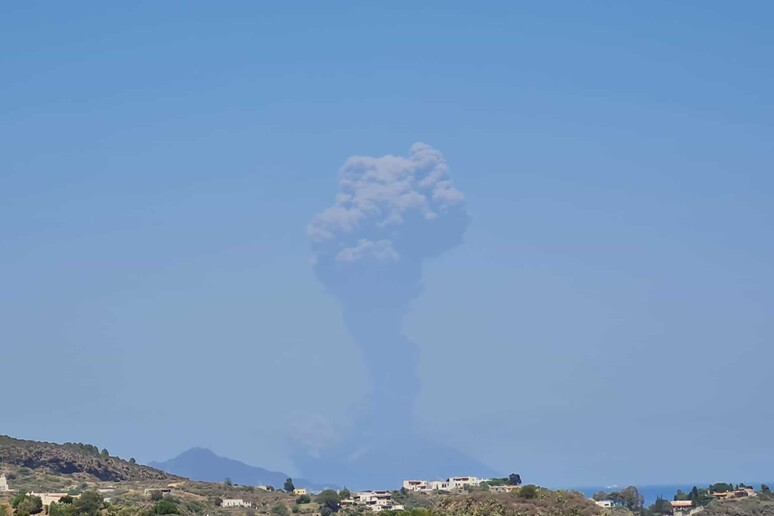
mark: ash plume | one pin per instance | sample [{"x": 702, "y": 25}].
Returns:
[{"x": 369, "y": 247}]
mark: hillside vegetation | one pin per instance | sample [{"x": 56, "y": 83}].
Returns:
[
  {"x": 73, "y": 459},
  {"x": 101, "y": 485},
  {"x": 541, "y": 502},
  {"x": 761, "y": 505}
]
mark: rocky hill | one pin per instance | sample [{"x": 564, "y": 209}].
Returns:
[
  {"x": 539, "y": 502},
  {"x": 74, "y": 458},
  {"x": 762, "y": 505}
]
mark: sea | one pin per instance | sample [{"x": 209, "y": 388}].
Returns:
[{"x": 651, "y": 493}]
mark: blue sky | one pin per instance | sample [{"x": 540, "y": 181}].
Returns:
[{"x": 609, "y": 310}]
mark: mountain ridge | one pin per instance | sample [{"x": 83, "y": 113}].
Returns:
[
  {"x": 204, "y": 465},
  {"x": 71, "y": 458}
]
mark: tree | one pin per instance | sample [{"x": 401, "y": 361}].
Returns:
[
  {"x": 514, "y": 479},
  {"x": 132, "y": 461},
  {"x": 88, "y": 504},
  {"x": 288, "y": 486},
  {"x": 156, "y": 495},
  {"x": 227, "y": 482},
  {"x": 600, "y": 495},
  {"x": 765, "y": 488},
  {"x": 105, "y": 452},
  {"x": 67, "y": 499},
  {"x": 699, "y": 497},
  {"x": 528, "y": 492},
  {"x": 631, "y": 498},
  {"x": 345, "y": 493},
  {"x": 328, "y": 498},
  {"x": 497, "y": 482},
  {"x": 721, "y": 487},
  {"x": 24, "y": 504},
  {"x": 660, "y": 507},
  {"x": 61, "y": 509},
  {"x": 303, "y": 499}
]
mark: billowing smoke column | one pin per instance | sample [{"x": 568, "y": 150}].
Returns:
[{"x": 391, "y": 214}]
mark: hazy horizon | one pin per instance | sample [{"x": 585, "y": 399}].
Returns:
[{"x": 600, "y": 305}]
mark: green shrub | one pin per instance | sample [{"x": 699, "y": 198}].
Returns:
[
  {"x": 165, "y": 507},
  {"x": 88, "y": 504},
  {"x": 280, "y": 510},
  {"x": 25, "y": 504},
  {"x": 528, "y": 492}
]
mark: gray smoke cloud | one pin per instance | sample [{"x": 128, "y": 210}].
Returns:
[{"x": 391, "y": 214}]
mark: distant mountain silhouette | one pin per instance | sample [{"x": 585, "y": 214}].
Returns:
[
  {"x": 384, "y": 464},
  {"x": 204, "y": 465}
]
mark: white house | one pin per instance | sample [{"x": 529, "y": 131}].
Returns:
[
  {"x": 460, "y": 482},
  {"x": 235, "y": 502},
  {"x": 4, "y": 487},
  {"x": 450, "y": 484},
  {"x": 377, "y": 501},
  {"x": 165, "y": 491},
  {"x": 502, "y": 489},
  {"x": 415, "y": 485},
  {"x": 49, "y": 498}
]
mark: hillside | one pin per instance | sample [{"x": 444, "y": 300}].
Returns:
[
  {"x": 544, "y": 503},
  {"x": 204, "y": 465},
  {"x": 761, "y": 505},
  {"x": 74, "y": 459}
]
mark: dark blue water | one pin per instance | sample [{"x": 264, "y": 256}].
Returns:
[{"x": 651, "y": 493}]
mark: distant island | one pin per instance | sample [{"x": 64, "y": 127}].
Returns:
[{"x": 204, "y": 465}]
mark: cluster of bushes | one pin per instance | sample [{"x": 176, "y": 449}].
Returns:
[
  {"x": 91, "y": 503},
  {"x": 514, "y": 479},
  {"x": 25, "y": 505},
  {"x": 329, "y": 501},
  {"x": 88, "y": 504}
]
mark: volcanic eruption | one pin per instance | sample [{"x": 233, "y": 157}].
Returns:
[{"x": 391, "y": 214}]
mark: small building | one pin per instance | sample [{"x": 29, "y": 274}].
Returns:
[
  {"x": 737, "y": 493},
  {"x": 457, "y": 483},
  {"x": 503, "y": 489},
  {"x": 450, "y": 484},
  {"x": 300, "y": 491},
  {"x": 235, "y": 502},
  {"x": 605, "y": 504},
  {"x": 165, "y": 491},
  {"x": 49, "y": 498},
  {"x": 4, "y": 487},
  {"x": 681, "y": 506},
  {"x": 376, "y": 501}
]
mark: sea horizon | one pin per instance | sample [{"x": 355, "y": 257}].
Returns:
[{"x": 653, "y": 491}]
